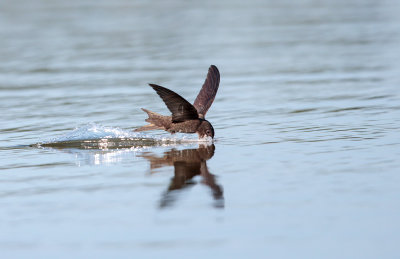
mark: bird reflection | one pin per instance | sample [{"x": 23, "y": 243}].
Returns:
[{"x": 187, "y": 164}]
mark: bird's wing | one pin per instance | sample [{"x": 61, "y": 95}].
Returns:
[
  {"x": 207, "y": 93},
  {"x": 181, "y": 109}
]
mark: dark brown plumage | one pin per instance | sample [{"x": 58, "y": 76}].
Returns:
[
  {"x": 208, "y": 92},
  {"x": 185, "y": 117}
]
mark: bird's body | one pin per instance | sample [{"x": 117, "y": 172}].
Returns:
[
  {"x": 158, "y": 121},
  {"x": 186, "y": 118}
]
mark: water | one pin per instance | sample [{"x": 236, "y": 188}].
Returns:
[{"x": 306, "y": 157}]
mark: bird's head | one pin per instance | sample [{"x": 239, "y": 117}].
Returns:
[{"x": 205, "y": 129}]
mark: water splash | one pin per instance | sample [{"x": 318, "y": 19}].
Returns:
[
  {"x": 94, "y": 136},
  {"x": 94, "y": 131}
]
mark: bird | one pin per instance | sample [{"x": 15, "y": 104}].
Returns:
[{"x": 185, "y": 117}]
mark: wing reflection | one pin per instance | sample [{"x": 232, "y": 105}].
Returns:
[{"x": 187, "y": 163}]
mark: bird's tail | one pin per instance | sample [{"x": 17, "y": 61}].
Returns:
[
  {"x": 147, "y": 127},
  {"x": 155, "y": 120}
]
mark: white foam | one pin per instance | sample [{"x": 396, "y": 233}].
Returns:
[{"x": 93, "y": 131}]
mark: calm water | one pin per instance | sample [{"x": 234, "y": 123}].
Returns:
[{"x": 306, "y": 158}]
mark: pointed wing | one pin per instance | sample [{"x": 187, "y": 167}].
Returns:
[
  {"x": 207, "y": 93},
  {"x": 181, "y": 109}
]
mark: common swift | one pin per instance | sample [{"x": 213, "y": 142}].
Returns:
[{"x": 186, "y": 118}]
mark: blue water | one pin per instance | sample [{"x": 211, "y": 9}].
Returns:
[{"x": 306, "y": 155}]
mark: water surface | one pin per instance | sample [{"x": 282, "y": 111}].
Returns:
[{"x": 307, "y": 117}]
